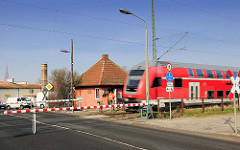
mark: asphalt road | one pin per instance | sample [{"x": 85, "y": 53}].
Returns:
[{"x": 61, "y": 131}]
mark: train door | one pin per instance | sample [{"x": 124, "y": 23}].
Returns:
[{"x": 194, "y": 90}]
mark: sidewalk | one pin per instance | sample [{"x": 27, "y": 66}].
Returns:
[{"x": 219, "y": 124}]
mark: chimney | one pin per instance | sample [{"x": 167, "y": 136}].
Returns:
[
  {"x": 6, "y": 75},
  {"x": 105, "y": 56},
  {"x": 44, "y": 79}
]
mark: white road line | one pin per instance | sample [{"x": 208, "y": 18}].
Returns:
[
  {"x": 93, "y": 135},
  {"x": 86, "y": 133}
]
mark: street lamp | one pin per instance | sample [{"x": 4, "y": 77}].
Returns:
[
  {"x": 66, "y": 51},
  {"x": 146, "y": 52}
]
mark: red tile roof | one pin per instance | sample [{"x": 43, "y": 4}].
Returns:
[
  {"x": 6, "y": 85},
  {"x": 104, "y": 72}
]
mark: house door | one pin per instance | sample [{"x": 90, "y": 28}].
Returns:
[{"x": 194, "y": 90}]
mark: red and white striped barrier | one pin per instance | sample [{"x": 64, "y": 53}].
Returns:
[
  {"x": 72, "y": 108},
  {"x": 47, "y": 101}
]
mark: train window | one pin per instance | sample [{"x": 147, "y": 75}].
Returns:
[
  {"x": 227, "y": 93},
  {"x": 219, "y": 94},
  {"x": 234, "y": 73},
  {"x": 209, "y": 73},
  {"x": 136, "y": 72},
  {"x": 219, "y": 74},
  {"x": 199, "y": 73},
  {"x": 157, "y": 82},
  {"x": 226, "y": 74},
  {"x": 236, "y": 95},
  {"x": 210, "y": 94},
  {"x": 178, "y": 83},
  {"x": 190, "y": 72}
]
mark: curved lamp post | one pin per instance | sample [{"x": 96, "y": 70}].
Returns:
[
  {"x": 146, "y": 51},
  {"x": 66, "y": 51}
]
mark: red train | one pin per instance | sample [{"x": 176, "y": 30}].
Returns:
[{"x": 192, "y": 82}]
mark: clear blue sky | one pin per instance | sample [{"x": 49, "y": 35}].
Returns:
[{"x": 33, "y": 32}]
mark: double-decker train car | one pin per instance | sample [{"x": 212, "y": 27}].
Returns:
[{"x": 191, "y": 82}]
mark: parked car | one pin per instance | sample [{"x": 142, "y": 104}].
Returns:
[
  {"x": 40, "y": 101},
  {"x": 18, "y": 103},
  {"x": 2, "y": 106}
]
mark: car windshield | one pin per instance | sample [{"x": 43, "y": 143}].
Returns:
[{"x": 25, "y": 99}]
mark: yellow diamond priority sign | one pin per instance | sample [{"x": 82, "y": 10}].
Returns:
[{"x": 49, "y": 86}]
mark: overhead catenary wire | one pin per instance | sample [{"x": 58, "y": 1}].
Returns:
[
  {"x": 69, "y": 13},
  {"x": 204, "y": 11},
  {"x": 89, "y": 36},
  {"x": 116, "y": 21},
  {"x": 70, "y": 33},
  {"x": 75, "y": 34}
]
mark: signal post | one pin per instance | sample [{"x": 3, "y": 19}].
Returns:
[{"x": 169, "y": 88}]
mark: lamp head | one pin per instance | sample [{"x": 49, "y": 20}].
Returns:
[
  {"x": 124, "y": 11},
  {"x": 64, "y": 51}
]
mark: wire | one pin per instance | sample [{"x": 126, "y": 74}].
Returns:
[
  {"x": 215, "y": 39},
  {"x": 67, "y": 33},
  {"x": 76, "y": 14},
  {"x": 70, "y": 13},
  {"x": 70, "y": 33},
  {"x": 205, "y": 11},
  {"x": 213, "y": 53}
]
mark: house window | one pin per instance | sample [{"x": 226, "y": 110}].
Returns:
[
  {"x": 97, "y": 94},
  {"x": 157, "y": 82},
  {"x": 219, "y": 94},
  {"x": 219, "y": 74},
  {"x": 31, "y": 91},
  {"x": 190, "y": 72},
  {"x": 210, "y": 94},
  {"x": 209, "y": 73},
  {"x": 178, "y": 83},
  {"x": 199, "y": 73}
]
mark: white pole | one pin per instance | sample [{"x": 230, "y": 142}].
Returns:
[
  {"x": 34, "y": 123},
  {"x": 235, "y": 113},
  {"x": 170, "y": 106}
]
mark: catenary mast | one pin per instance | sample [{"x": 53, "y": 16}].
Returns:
[{"x": 154, "y": 51}]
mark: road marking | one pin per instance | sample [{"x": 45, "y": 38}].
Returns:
[
  {"x": 93, "y": 135},
  {"x": 82, "y": 132}
]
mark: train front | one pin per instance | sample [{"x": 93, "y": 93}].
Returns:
[{"x": 134, "y": 90}]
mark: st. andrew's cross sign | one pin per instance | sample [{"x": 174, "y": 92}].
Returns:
[{"x": 235, "y": 82}]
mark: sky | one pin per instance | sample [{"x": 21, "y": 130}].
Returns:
[{"x": 34, "y": 32}]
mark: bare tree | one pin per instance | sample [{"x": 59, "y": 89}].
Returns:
[{"x": 61, "y": 80}]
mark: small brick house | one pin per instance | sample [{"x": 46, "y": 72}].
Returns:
[{"x": 98, "y": 81}]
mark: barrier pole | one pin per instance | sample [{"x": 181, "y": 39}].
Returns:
[{"x": 34, "y": 123}]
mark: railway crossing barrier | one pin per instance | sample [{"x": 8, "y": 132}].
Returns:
[
  {"x": 47, "y": 101},
  {"x": 34, "y": 124}
]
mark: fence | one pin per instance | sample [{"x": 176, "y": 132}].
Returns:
[{"x": 203, "y": 102}]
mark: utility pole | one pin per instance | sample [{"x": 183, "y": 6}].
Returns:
[
  {"x": 72, "y": 69},
  {"x": 154, "y": 51}
]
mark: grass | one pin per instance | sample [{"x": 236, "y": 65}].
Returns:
[{"x": 197, "y": 112}]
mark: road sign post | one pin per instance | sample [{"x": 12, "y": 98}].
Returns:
[
  {"x": 235, "y": 88},
  {"x": 169, "y": 88}
]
